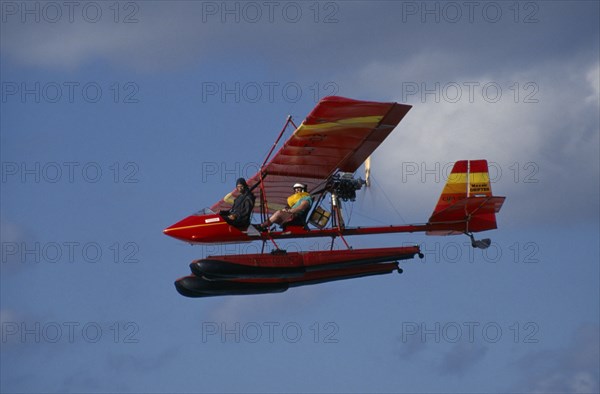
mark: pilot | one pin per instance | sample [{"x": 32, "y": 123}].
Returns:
[
  {"x": 241, "y": 211},
  {"x": 298, "y": 207}
]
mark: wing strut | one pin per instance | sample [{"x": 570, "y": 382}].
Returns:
[
  {"x": 287, "y": 122},
  {"x": 264, "y": 208}
]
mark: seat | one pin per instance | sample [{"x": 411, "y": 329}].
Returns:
[{"x": 299, "y": 221}]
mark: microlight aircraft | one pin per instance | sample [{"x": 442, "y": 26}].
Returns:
[{"x": 324, "y": 153}]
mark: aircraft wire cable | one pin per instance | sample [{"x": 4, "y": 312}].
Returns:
[
  {"x": 372, "y": 219},
  {"x": 374, "y": 181},
  {"x": 364, "y": 193},
  {"x": 349, "y": 211}
]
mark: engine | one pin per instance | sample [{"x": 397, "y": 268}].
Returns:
[{"x": 345, "y": 186}]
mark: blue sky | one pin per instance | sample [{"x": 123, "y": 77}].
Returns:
[{"x": 119, "y": 119}]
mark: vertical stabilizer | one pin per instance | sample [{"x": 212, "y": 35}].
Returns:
[
  {"x": 455, "y": 188},
  {"x": 466, "y": 203}
]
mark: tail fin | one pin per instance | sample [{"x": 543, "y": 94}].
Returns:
[{"x": 466, "y": 204}]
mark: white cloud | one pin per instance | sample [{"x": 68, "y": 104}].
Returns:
[
  {"x": 539, "y": 127},
  {"x": 593, "y": 78},
  {"x": 12, "y": 237},
  {"x": 9, "y": 327},
  {"x": 575, "y": 369},
  {"x": 161, "y": 37},
  {"x": 462, "y": 357},
  {"x": 242, "y": 309}
]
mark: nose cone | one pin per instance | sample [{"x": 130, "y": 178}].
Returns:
[
  {"x": 182, "y": 230},
  {"x": 175, "y": 232},
  {"x": 202, "y": 229}
]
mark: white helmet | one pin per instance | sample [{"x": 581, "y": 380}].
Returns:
[{"x": 303, "y": 186}]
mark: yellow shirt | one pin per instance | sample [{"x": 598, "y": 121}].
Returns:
[{"x": 294, "y": 198}]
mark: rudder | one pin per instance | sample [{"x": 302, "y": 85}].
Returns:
[{"x": 466, "y": 204}]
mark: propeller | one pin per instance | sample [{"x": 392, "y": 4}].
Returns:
[
  {"x": 377, "y": 190},
  {"x": 368, "y": 172}
]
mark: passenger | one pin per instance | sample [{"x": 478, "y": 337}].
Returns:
[
  {"x": 298, "y": 207},
  {"x": 240, "y": 213}
]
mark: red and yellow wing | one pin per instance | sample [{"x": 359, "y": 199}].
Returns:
[{"x": 338, "y": 135}]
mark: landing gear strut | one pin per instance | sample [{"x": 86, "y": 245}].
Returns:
[{"x": 481, "y": 243}]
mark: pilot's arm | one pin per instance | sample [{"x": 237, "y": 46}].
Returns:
[{"x": 303, "y": 206}]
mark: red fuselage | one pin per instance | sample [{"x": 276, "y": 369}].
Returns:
[
  {"x": 205, "y": 229},
  {"x": 212, "y": 228}
]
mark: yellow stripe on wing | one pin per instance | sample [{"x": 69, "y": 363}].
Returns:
[{"x": 363, "y": 121}]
